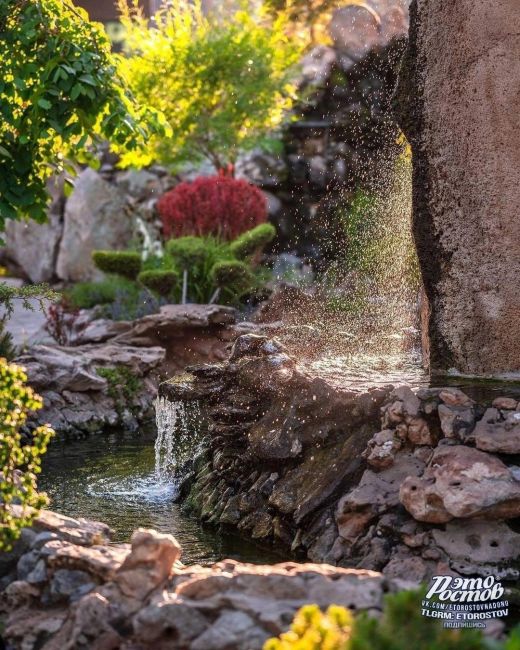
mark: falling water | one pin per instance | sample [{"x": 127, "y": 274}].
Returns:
[{"x": 178, "y": 438}]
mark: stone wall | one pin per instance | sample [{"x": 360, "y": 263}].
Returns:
[
  {"x": 64, "y": 586},
  {"x": 458, "y": 90},
  {"x": 410, "y": 483}
]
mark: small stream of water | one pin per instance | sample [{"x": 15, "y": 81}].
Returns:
[{"x": 112, "y": 478}]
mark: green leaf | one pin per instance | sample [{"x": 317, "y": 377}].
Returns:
[
  {"x": 76, "y": 91},
  {"x": 44, "y": 103}
]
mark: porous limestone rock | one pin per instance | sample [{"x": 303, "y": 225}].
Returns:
[
  {"x": 499, "y": 431},
  {"x": 111, "y": 596},
  {"x": 474, "y": 547},
  {"x": 462, "y": 482}
]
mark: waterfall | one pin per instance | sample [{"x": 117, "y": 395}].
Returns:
[{"x": 178, "y": 437}]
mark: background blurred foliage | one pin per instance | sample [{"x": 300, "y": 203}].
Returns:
[
  {"x": 59, "y": 91},
  {"x": 309, "y": 19},
  {"x": 224, "y": 85}
]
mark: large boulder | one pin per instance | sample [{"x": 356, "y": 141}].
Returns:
[
  {"x": 34, "y": 246},
  {"x": 456, "y": 110},
  {"x": 95, "y": 218}
]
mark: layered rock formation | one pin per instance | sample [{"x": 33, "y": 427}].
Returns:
[
  {"x": 458, "y": 85},
  {"x": 390, "y": 479},
  {"x": 93, "y": 388},
  {"x": 65, "y": 587},
  {"x": 108, "y": 376}
]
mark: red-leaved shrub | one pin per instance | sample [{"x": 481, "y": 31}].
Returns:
[{"x": 212, "y": 205}]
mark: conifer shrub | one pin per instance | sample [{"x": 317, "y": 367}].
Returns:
[
  {"x": 86, "y": 295},
  {"x": 193, "y": 253},
  {"x": 208, "y": 267},
  {"x": 127, "y": 264},
  {"x": 219, "y": 205},
  {"x": 158, "y": 281},
  {"x": 251, "y": 241},
  {"x": 232, "y": 274}
]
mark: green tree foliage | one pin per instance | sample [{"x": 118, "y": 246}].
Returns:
[
  {"x": 223, "y": 83},
  {"x": 20, "y": 461},
  {"x": 59, "y": 89},
  {"x": 402, "y": 627}
]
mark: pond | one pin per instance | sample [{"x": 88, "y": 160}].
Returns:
[{"x": 111, "y": 478}]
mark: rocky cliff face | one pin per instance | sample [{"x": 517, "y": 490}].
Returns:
[
  {"x": 457, "y": 88},
  {"x": 390, "y": 479}
]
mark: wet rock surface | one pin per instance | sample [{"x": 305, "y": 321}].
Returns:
[
  {"x": 89, "y": 594},
  {"x": 383, "y": 480}
]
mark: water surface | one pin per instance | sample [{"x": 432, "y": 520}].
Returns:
[{"x": 111, "y": 478}]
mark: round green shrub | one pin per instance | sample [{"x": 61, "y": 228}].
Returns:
[
  {"x": 253, "y": 240},
  {"x": 232, "y": 274},
  {"x": 124, "y": 263},
  {"x": 187, "y": 252},
  {"x": 160, "y": 282}
]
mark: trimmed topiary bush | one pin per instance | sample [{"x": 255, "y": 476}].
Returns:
[
  {"x": 252, "y": 241},
  {"x": 160, "y": 282},
  {"x": 190, "y": 252},
  {"x": 216, "y": 205},
  {"x": 124, "y": 263},
  {"x": 232, "y": 274}
]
